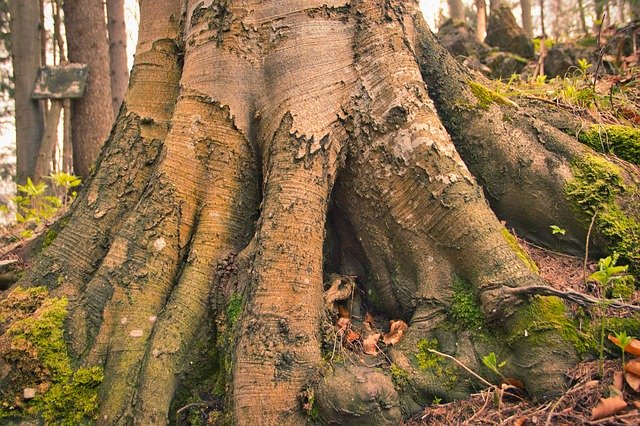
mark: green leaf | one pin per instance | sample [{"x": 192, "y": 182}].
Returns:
[{"x": 555, "y": 229}]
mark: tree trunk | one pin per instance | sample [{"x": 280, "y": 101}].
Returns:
[
  {"x": 260, "y": 150},
  {"x": 527, "y": 21},
  {"x": 29, "y": 114},
  {"x": 583, "y": 18},
  {"x": 456, "y": 9},
  {"x": 117, "y": 52},
  {"x": 481, "y": 20},
  {"x": 92, "y": 115}
]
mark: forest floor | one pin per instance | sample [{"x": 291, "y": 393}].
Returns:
[{"x": 586, "y": 388}]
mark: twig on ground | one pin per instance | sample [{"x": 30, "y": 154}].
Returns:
[
  {"x": 473, "y": 373},
  {"x": 573, "y": 296}
]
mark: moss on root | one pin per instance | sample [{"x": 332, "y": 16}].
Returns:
[
  {"x": 465, "y": 312},
  {"x": 440, "y": 367},
  {"x": 534, "y": 320},
  {"x": 593, "y": 190},
  {"x": 522, "y": 254},
  {"x": 486, "y": 96},
  {"x": 623, "y": 141},
  {"x": 34, "y": 351}
]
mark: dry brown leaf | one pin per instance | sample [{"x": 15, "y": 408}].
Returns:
[
  {"x": 352, "y": 336},
  {"x": 608, "y": 407},
  {"x": 368, "y": 318},
  {"x": 618, "y": 381},
  {"x": 343, "y": 323},
  {"x": 591, "y": 384},
  {"x": 396, "y": 331},
  {"x": 370, "y": 344},
  {"x": 636, "y": 404},
  {"x": 633, "y": 380},
  {"x": 343, "y": 312},
  {"x": 633, "y": 366},
  {"x": 633, "y": 347},
  {"x": 520, "y": 421},
  {"x": 514, "y": 382}
]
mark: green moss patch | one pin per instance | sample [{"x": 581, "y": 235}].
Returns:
[
  {"x": 486, "y": 96},
  {"x": 623, "y": 141},
  {"x": 34, "y": 350},
  {"x": 593, "y": 190},
  {"x": 532, "y": 323},
  {"x": 428, "y": 362},
  {"x": 465, "y": 312}
]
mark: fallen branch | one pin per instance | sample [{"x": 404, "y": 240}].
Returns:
[
  {"x": 474, "y": 374},
  {"x": 573, "y": 296}
]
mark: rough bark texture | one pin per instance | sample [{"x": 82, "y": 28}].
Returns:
[
  {"x": 92, "y": 115},
  {"x": 194, "y": 260},
  {"x": 25, "y": 52},
  {"x": 117, "y": 52}
]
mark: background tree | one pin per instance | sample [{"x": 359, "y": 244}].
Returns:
[
  {"x": 92, "y": 115},
  {"x": 481, "y": 19},
  {"x": 456, "y": 9},
  {"x": 263, "y": 147},
  {"x": 29, "y": 114},
  {"x": 117, "y": 52},
  {"x": 527, "y": 21}
]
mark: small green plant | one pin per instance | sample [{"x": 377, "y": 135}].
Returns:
[
  {"x": 65, "y": 182},
  {"x": 33, "y": 203},
  {"x": 37, "y": 202},
  {"x": 623, "y": 342},
  {"x": 436, "y": 401},
  {"x": 607, "y": 273},
  {"x": 583, "y": 66},
  {"x": 555, "y": 229},
  {"x": 491, "y": 361}
]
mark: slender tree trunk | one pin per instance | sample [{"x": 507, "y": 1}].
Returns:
[
  {"x": 542, "y": 27},
  {"x": 456, "y": 9},
  {"x": 493, "y": 4},
  {"x": 117, "y": 52},
  {"x": 92, "y": 115},
  {"x": 25, "y": 52},
  {"x": 481, "y": 20},
  {"x": 583, "y": 18},
  {"x": 527, "y": 21}
]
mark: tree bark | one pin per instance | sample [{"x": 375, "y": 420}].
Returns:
[
  {"x": 92, "y": 115},
  {"x": 193, "y": 261},
  {"x": 29, "y": 114},
  {"x": 456, "y": 9},
  {"x": 527, "y": 21},
  {"x": 117, "y": 52}
]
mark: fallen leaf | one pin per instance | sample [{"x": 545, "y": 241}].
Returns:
[
  {"x": 618, "y": 380},
  {"x": 343, "y": 323},
  {"x": 368, "y": 318},
  {"x": 396, "y": 331},
  {"x": 633, "y": 366},
  {"x": 370, "y": 344},
  {"x": 352, "y": 336},
  {"x": 591, "y": 384},
  {"x": 633, "y": 347},
  {"x": 636, "y": 404},
  {"x": 608, "y": 407},
  {"x": 633, "y": 380},
  {"x": 343, "y": 312},
  {"x": 514, "y": 382},
  {"x": 520, "y": 421}
]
